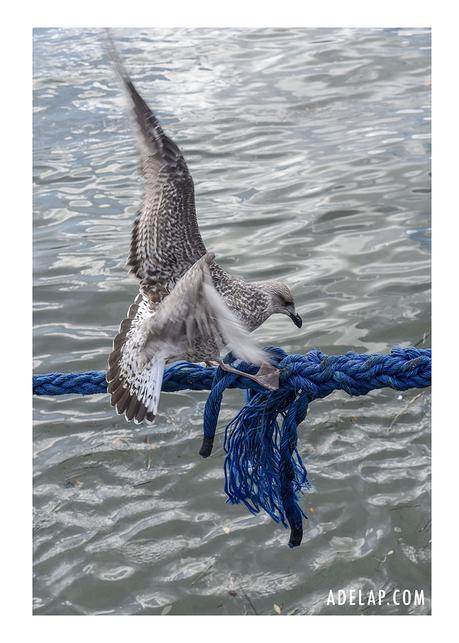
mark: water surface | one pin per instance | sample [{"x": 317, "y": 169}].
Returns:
[{"x": 310, "y": 152}]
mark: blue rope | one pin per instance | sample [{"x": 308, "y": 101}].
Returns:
[{"x": 263, "y": 468}]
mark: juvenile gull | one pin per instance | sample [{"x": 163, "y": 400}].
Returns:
[{"x": 188, "y": 307}]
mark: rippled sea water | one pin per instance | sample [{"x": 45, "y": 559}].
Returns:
[{"x": 310, "y": 151}]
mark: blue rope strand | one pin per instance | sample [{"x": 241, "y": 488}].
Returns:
[{"x": 263, "y": 468}]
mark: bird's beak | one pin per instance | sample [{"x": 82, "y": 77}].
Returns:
[{"x": 296, "y": 319}]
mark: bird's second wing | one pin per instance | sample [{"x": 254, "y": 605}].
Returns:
[
  {"x": 165, "y": 238},
  {"x": 194, "y": 315},
  {"x": 193, "y": 320}
]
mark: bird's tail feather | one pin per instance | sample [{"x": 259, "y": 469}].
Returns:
[
  {"x": 137, "y": 398},
  {"x": 134, "y": 383}
]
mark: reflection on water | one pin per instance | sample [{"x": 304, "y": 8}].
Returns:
[{"x": 310, "y": 152}]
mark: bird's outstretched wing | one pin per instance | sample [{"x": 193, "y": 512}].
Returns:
[
  {"x": 192, "y": 320},
  {"x": 165, "y": 237}
]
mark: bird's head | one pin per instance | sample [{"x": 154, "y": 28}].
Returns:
[{"x": 282, "y": 301}]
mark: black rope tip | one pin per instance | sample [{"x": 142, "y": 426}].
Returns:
[
  {"x": 296, "y": 536},
  {"x": 206, "y": 447}
]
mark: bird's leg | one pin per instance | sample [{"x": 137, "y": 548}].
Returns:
[{"x": 267, "y": 375}]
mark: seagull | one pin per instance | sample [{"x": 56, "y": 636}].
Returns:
[{"x": 188, "y": 307}]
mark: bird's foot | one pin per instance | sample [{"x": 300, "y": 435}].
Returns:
[{"x": 267, "y": 375}]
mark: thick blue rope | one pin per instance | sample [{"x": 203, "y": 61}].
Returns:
[{"x": 263, "y": 468}]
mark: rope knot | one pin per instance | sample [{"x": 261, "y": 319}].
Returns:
[{"x": 263, "y": 468}]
